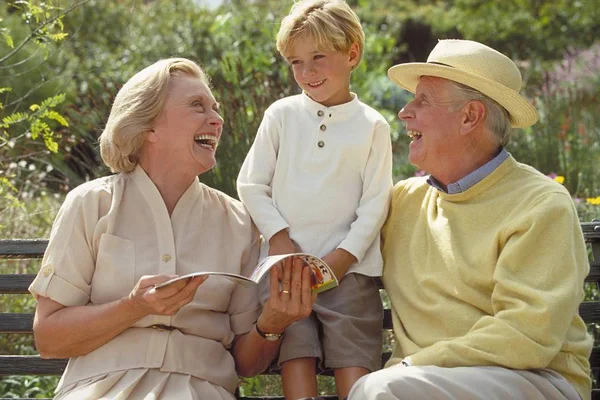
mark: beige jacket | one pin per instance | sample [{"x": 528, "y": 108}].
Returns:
[{"x": 111, "y": 231}]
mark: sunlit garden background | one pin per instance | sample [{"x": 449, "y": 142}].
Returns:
[{"x": 62, "y": 62}]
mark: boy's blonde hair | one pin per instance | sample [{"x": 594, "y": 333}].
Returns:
[
  {"x": 135, "y": 110},
  {"x": 332, "y": 24}
]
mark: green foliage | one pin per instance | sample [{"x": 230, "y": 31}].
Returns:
[
  {"x": 566, "y": 140},
  {"x": 524, "y": 28},
  {"x": 35, "y": 387},
  {"x": 21, "y": 126}
]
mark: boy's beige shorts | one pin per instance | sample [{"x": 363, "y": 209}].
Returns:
[{"x": 344, "y": 330}]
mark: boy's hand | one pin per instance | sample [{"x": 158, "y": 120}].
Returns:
[
  {"x": 280, "y": 243},
  {"x": 340, "y": 261}
]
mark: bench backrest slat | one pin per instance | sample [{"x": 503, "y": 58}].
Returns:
[
  {"x": 31, "y": 365},
  {"x": 15, "y": 283},
  {"x": 16, "y": 323},
  {"x": 23, "y": 248}
]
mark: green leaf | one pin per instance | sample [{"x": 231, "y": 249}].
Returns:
[
  {"x": 53, "y": 101},
  {"x": 50, "y": 142},
  {"x": 14, "y": 118},
  {"x": 39, "y": 127},
  {"x": 5, "y": 183},
  {"x": 57, "y": 36},
  {"x": 57, "y": 117},
  {"x": 8, "y": 39}
]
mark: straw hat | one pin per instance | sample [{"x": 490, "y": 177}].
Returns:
[{"x": 477, "y": 66}]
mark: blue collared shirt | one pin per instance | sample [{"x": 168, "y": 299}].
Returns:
[{"x": 472, "y": 178}]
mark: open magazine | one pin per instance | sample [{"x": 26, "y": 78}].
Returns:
[{"x": 322, "y": 277}]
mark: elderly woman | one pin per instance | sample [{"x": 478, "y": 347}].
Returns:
[{"x": 117, "y": 237}]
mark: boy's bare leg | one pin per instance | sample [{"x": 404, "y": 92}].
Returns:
[
  {"x": 299, "y": 378},
  {"x": 346, "y": 377}
]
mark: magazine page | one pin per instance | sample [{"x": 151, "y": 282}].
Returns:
[
  {"x": 242, "y": 280},
  {"x": 322, "y": 277}
]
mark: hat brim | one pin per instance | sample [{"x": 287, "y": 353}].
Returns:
[{"x": 522, "y": 113}]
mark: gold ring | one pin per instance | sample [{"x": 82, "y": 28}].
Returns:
[{"x": 285, "y": 291}]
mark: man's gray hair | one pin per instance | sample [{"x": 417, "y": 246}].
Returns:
[{"x": 497, "y": 119}]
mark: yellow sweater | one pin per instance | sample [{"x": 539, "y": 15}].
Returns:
[{"x": 490, "y": 276}]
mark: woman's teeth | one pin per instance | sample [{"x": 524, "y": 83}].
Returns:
[{"x": 207, "y": 141}]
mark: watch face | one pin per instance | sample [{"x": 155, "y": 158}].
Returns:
[{"x": 271, "y": 337}]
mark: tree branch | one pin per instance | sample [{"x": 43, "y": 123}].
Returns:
[{"x": 39, "y": 28}]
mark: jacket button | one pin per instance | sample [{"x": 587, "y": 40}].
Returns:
[
  {"x": 166, "y": 257},
  {"x": 323, "y": 128},
  {"x": 321, "y": 143},
  {"x": 320, "y": 113}
]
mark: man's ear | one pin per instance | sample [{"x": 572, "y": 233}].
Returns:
[
  {"x": 353, "y": 55},
  {"x": 473, "y": 116}
]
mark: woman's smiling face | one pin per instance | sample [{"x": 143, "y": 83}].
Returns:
[{"x": 189, "y": 126}]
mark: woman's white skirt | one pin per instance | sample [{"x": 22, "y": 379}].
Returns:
[{"x": 143, "y": 384}]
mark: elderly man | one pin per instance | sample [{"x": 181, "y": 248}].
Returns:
[{"x": 484, "y": 259}]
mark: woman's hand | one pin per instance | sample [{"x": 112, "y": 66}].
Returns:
[
  {"x": 146, "y": 299},
  {"x": 290, "y": 304},
  {"x": 62, "y": 332},
  {"x": 252, "y": 353}
]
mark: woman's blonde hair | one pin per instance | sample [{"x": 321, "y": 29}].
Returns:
[
  {"x": 332, "y": 24},
  {"x": 135, "y": 110}
]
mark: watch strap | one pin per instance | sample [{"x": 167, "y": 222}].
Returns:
[{"x": 268, "y": 336}]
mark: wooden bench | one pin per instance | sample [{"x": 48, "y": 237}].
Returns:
[{"x": 13, "y": 323}]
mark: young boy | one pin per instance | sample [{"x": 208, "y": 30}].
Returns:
[{"x": 318, "y": 179}]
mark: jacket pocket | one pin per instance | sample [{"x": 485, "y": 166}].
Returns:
[{"x": 115, "y": 269}]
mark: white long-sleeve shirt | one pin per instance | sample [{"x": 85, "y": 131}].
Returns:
[{"x": 325, "y": 174}]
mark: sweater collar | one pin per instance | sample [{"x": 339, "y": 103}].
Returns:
[{"x": 473, "y": 177}]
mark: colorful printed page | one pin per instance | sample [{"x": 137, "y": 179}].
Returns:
[{"x": 322, "y": 277}]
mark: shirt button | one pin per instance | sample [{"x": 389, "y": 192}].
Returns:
[
  {"x": 166, "y": 257},
  {"x": 321, "y": 144},
  {"x": 320, "y": 113},
  {"x": 47, "y": 271},
  {"x": 323, "y": 128}
]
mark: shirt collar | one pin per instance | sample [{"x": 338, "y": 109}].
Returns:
[
  {"x": 471, "y": 179},
  {"x": 339, "y": 112}
]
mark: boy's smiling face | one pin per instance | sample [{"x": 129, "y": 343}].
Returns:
[{"x": 323, "y": 75}]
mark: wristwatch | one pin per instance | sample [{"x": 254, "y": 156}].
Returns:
[{"x": 271, "y": 337}]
